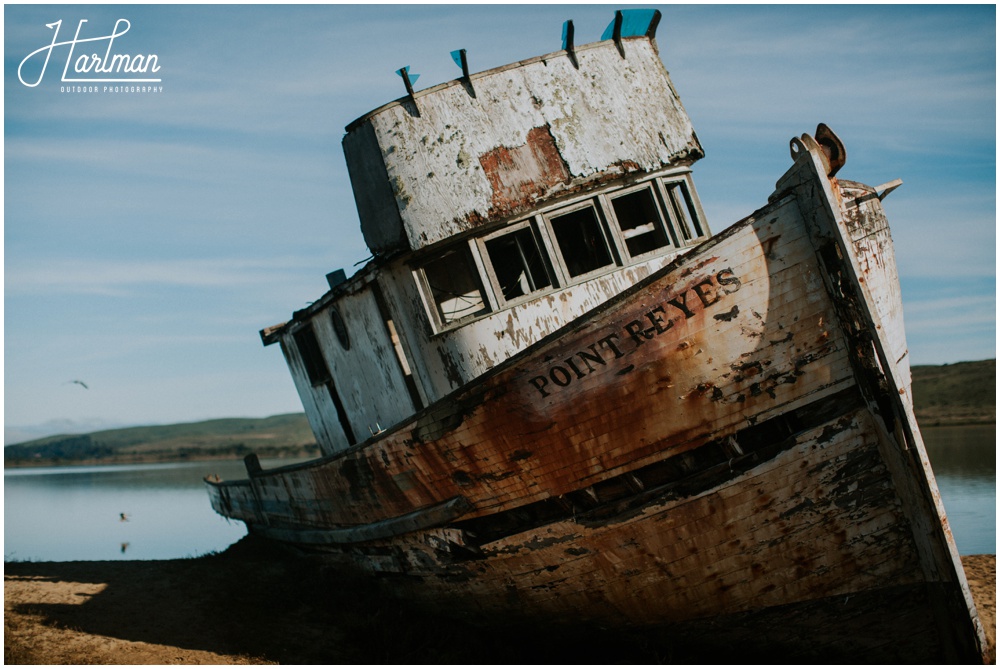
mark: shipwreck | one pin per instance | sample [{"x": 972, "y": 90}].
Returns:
[{"x": 553, "y": 393}]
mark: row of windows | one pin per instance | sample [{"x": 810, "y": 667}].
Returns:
[{"x": 560, "y": 248}]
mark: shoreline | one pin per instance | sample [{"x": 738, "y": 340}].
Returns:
[
  {"x": 307, "y": 454},
  {"x": 253, "y": 604},
  {"x": 99, "y": 462}
]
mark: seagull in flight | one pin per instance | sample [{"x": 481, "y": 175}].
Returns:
[{"x": 79, "y": 383}]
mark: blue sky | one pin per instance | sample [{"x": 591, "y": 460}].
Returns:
[{"x": 149, "y": 237}]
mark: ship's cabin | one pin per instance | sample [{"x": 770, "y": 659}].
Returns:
[{"x": 498, "y": 207}]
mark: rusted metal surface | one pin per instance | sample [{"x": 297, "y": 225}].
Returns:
[{"x": 539, "y": 129}]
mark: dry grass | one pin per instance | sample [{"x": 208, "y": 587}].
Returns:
[{"x": 960, "y": 394}]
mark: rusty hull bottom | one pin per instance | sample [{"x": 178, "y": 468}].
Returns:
[{"x": 809, "y": 551}]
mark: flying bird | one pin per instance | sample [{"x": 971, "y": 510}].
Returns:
[{"x": 80, "y": 383}]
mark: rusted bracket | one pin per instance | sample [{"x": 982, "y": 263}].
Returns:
[
  {"x": 567, "y": 45},
  {"x": 404, "y": 72},
  {"x": 460, "y": 59},
  {"x": 617, "y": 34},
  {"x": 653, "y": 23}
]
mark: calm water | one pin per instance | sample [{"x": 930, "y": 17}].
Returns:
[
  {"x": 74, "y": 513},
  {"x": 964, "y": 460}
]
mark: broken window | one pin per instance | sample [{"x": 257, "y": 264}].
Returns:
[
  {"x": 581, "y": 241},
  {"x": 312, "y": 357},
  {"x": 454, "y": 284},
  {"x": 319, "y": 374},
  {"x": 684, "y": 213},
  {"x": 340, "y": 329},
  {"x": 640, "y": 222},
  {"x": 518, "y": 263}
]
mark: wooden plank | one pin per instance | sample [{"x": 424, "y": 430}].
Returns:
[{"x": 414, "y": 521}]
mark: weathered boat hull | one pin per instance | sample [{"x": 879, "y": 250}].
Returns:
[{"x": 727, "y": 450}]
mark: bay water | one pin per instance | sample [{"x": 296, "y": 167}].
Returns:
[
  {"x": 964, "y": 460},
  {"x": 115, "y": 512},
  {"x": 161, "y": 511}
]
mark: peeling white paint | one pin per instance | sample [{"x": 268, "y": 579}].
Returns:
[{"x": 431, "y": 161}]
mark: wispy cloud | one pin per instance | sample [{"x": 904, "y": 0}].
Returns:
[
  {"x": 962, "y": 312},
  {"x": 122, "y": 277}
]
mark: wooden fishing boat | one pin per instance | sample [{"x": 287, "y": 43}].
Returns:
[{"x": 553, "y": 394}]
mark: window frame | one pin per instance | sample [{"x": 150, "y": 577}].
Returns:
[
  {"x": 682, "y": 211},
  {"x": 529, "y": 224},
  {"x": 649, "y": 186},
  {"x": 610, "y": 240},
  {"x": 673, "y": 211},
  {"x": 427, "y": 292}
]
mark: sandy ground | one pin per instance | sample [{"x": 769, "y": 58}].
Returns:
[
  {"x": 981, "y": 572},
  {"x": 247, "y": 607}
]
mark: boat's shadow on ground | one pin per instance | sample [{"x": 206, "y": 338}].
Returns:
[{"x": 270, "y": 608}]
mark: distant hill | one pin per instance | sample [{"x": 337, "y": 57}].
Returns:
[
  {"x": 287, "y": 435},
  {"x": 960, "y": 394}
]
